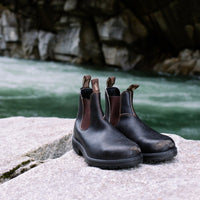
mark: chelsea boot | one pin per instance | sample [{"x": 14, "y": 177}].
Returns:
[
  {"x": 120, "y": 113},
  {"x": 95, "y": 139}
]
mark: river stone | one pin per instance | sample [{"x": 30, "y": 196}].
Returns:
[
  {"x": 69, "y": 177},
  {"x": 186, "y": 54},
  {"x": 30, "y": 44},
  {"x": 9, "y": 26},
  {"x": 31, "y": 140},
  {"x": 45, "y": 46},
  {"x": 68, "y": 41},
  {"x": 120, "y": 56},
  {"x": 8, "y": 19},
  {"x": 2, "y": 43},
  {"x": 124, "y": 27},
  {"x": 196, "y": 69},
  {"x": 10, "y": 34},
  {"x": 70, "y": 5},
  {"x": 187, "y": 63}
]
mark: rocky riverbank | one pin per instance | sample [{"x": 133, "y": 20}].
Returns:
[
  {"x": 37, "y": 163},
  {"x": 126, "y": 34}
]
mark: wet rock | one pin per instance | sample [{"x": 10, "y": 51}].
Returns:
[
  {"x": 9, "y": 26},
  {"x": 187, "y": 63},
  {"x": 75, "y": 43},
  {"x": 186, "y": 54},
  {"x": 15, "y": 50},
  {"x": 8, "y": 19},
  {"x": 89, "y": 41},
  {"x": 2, "y": 43},
  {"x": 70, "y": 5},
  {"x": 125, "y": 28},
  {"x": 10, "y": 34},
  {"x": 196, "y": 69},
  {"x": 46, "y": 42},
  {"x": 154, "y": 29},
  {"x": 121, "y": 57},
  {"x": 187, "y": 66},
  {"x": 30, "y": 45},
  {"x": 67, "y": 43}
]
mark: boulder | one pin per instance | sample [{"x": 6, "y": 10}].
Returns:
[
  {"x": 26, "y": 142},
  {"x": 8, "y": 19},
  {"x": 10, "y": 34},
  {"x": 9, "y": 26},
  {"x": 91, "y": 51},
  {"x": 69, "y": 177},
  {"x": 2, "y": 43},
  {"x": 124, "y": 28},
  {"x": 121, "y": 57},
  {"x": 70, "y": 5},
  {"x": 185, "y": 54},
  {"x": 196, "y": 69},
  {"x": 30, "y": 44},
  {"x": 75, "y": 43},
  {"x": 67, "y": 42},
  {"x": 46, "y": 43}
]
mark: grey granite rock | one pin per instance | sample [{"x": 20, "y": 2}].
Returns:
[
  {"x": 9, "y": 26},
  {"x": 2, "y": 43},
  {"x": 70, "y": 5},
  {"x": 120, "y": 56},
  {"x": 70, "y": 178},
  {"x": 30, "y": 44},
  {"x": 8, "y": 19},
  {"x": 46, "y": 43},
  {"x": 68, "y": 42},
  {"x": 187, "y": 63},
  {"x": 10, "y": 34},
  {"x": 28, "y": 141},
  {"x": 124, "y": 28}
]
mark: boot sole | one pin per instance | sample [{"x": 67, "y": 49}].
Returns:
[
  {"x": 106, "y": 164},
  {"x": 160, "y": 157}
]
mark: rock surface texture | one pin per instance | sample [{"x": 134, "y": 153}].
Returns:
[
  {"x": 28, "y": 142},
  {"x": 67, "y": 176},
  {"x": 187, "y": 63},
  {"x": 127, "y": 34}
]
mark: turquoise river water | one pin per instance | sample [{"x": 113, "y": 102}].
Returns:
[{"x": 49, "y": 89}]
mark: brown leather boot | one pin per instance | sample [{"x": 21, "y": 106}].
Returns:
[
  {"x": 120, "y": 113},
  {"x": 95, "y": 139}
]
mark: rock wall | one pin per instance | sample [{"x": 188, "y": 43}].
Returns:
[{"x": 127, "y": 34}]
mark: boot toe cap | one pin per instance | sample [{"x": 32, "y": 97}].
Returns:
[
  {"x": 163, "y": 145},
  {"x": 121, "y": 152}
]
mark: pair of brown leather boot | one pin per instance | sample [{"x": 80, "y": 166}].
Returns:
[{"x": 118, "y": 139}]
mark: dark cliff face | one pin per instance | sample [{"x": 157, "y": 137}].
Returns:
[{"x": 128, "y": 34}]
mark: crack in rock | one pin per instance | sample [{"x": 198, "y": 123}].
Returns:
[
  {"x": 49, "y": 151},
  {"x": 53, "y": 150}
]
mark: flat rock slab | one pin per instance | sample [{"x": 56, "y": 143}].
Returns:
[
  {"x": 70, "y": 178},
  {"x": 27, "y": 140}
]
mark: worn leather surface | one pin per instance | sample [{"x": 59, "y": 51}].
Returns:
[
  {"x": 149, "y": 140},
  {"x": 101, "y": 140}
]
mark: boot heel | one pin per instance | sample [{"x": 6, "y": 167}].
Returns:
[{"x": 76, "y": 148}]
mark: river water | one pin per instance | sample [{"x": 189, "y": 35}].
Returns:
[{"x": 49, "y": 89}]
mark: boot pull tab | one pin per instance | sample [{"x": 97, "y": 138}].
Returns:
[
  {"x": 95, "y": 85},
  {"x": 132, "y": 87},
  {"x": 110, "y": 81},
  {"x": 86, "y": 81}
]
